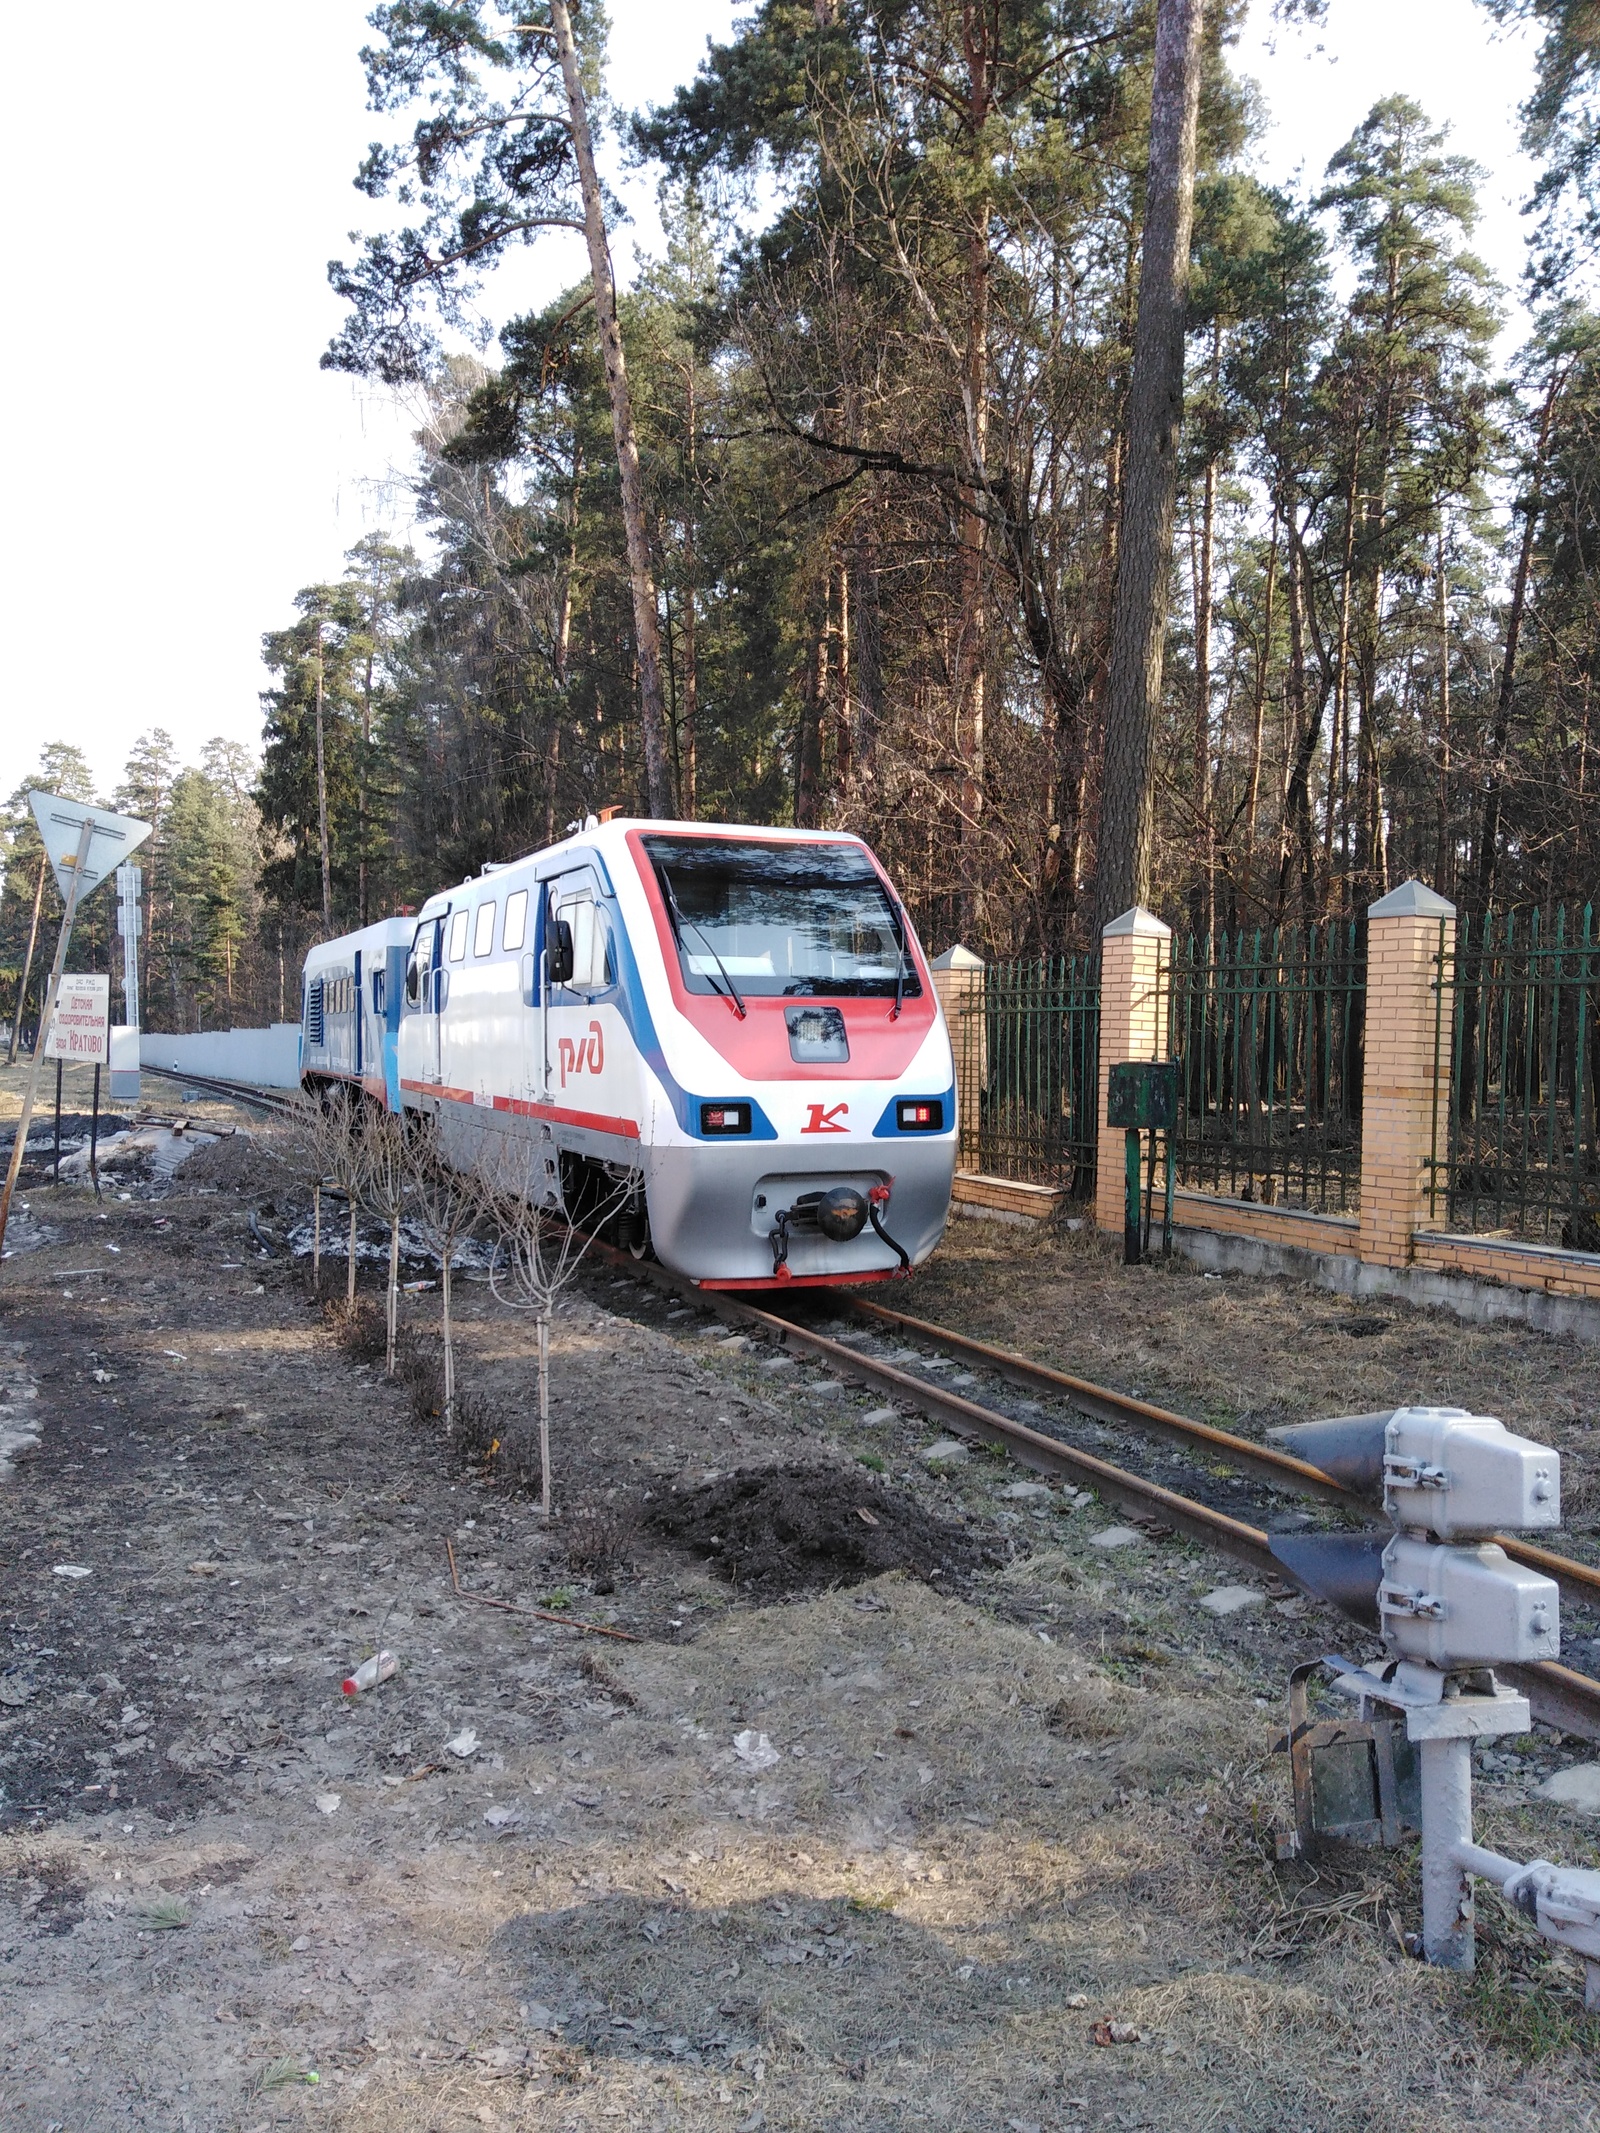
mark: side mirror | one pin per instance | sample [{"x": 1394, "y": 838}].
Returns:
[{"x": 561, "y": 963}]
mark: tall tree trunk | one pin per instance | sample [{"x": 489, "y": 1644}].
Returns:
[
  {"x": 1258, "y": 716},
  {"x": 1155, "y": 417},
  {"x": 322, "y": 801},
  {"x": 973, "y": 665},
  {"x": 1339, "y": 741},
  {"x": 1443, "y": 866},
  {"x": 27, "y": 962},
  {"x": 978, "y": 38},
  {"x": 1306, "y": 726},
  {"x": 1494, "y": 773},
  {"x": 866, "y": 658},
  {"x": 688, "y": 724},
  {"x": 366, "y": 756},
  {"x": 646, "y": 629},
  {"x": 688, "y": 736},
  {"x": 808, "y": 740},
  {"x": 1202, "y": 702}
]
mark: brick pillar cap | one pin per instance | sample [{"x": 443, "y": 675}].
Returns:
[
  {"x": 1413, "y": 899},
  {"x": 1138, "y": 920},
  {"x": 957, "y": 958}
]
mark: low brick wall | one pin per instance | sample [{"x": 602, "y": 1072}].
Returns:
[
  {"x": 1004, "y": 1199},
  {"x": 1299, "y": 1228},
  {"x": 1513, "y": 1265}
]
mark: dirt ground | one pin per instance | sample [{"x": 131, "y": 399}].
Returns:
[{"x": 868, "y": 1829}]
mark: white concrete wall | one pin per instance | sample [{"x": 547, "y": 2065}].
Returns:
[{"x": 265, "y": 1058}]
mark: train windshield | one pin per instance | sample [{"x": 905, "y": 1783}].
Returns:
[{"x": 781, "y": 919}]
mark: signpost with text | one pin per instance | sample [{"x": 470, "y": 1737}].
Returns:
[
  {"x": 80, "y": 1027},
  {"x": 83, "y": 844}
]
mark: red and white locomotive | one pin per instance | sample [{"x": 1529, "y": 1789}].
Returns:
[{"x": 729, "y": 1033}]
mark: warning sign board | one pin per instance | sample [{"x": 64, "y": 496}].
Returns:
[
  {"x": 112, "y": 838},
  {"x": 79, "y": 1029}
]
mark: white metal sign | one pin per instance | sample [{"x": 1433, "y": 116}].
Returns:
[
  {"x": 61, "y": 822},
  {"x": 79, "y": 1029}
]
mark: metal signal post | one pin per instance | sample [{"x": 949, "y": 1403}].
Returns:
[
  {"x": 130, "y": 880},
  {"x": 1450, "y": 1605}
]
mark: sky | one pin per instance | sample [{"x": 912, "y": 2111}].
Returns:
[{"x": 177, "y": 464}]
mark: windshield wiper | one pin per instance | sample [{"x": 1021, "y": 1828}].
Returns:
[
  {"x": 900, "y": 963},
  {"x": 679, "y": 922}
]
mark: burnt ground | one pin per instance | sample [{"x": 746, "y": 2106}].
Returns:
[
  {"x": 803, "y": 1525},
  {"x": 868, "y": 1829}
]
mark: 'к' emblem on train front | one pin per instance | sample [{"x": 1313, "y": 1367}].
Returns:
[
  {"x": 587, "y": 1056},
  {"x": 825, "y": 1120}
]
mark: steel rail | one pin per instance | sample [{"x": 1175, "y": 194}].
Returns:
[
  {"x": 1580, "y": 1581},
  {"x": 1280, "y": 1469},
  {"x": 239, "y": 1092}
]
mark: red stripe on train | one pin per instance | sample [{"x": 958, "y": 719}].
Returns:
[{"x": 594, "y": 1121}]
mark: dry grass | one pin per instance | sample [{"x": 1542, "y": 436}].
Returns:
[{"x": 983, "y": 1848}]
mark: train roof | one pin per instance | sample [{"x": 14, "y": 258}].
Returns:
[
  {"x": 596, "y": 837},
  {"x": 383, "y": 933}
]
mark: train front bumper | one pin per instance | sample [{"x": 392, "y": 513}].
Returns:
[{"x": 713, "y": 1209}]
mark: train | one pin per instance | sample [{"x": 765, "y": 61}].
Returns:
[
  {"x": 720, "y": 1045},
  {"x": 351, "y": 999}
]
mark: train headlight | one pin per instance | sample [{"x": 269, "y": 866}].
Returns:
[
  {"x": 718, "y": 1119},
  {"x": 919, "y": 1114}
]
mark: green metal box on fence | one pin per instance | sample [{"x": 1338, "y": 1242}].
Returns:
[{"x": 1143, "y": 1095}]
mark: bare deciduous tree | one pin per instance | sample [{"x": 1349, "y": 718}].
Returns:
[
  {"x": 538, "y": 1251},
  {"x": 447, "y": 1200},
  {"x": 386, "y": 1184}
]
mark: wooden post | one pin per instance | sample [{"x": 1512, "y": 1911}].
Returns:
[
  {"x": 1134, "y": 951},
  {"x": 1406, "y": 1067}
]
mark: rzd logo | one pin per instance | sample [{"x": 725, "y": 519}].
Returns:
[
  {"x": 825, "y": 1120},
  {"x": 587, "y": 1056}
]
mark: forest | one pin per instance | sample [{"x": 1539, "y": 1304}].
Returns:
[{"x": 992, "y": 465}]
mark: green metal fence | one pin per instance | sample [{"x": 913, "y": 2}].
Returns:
[
  {"x": 1516, "y": 1152},
  {"x": 1027, "y": 1062},
  {"x": 1267, "y": 1029}
]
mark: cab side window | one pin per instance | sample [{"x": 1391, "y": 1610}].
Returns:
[
  {"x": 420, "y": 967},
  {"x": 458, "y": 935},
  {"x": 483, "y": 928},
  {"x": 516, "y": 926},
  {"x": 593, "y": 955}
]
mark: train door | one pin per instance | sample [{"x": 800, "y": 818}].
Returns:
[
  {"x": 576, "y": 1038},
  {"x": 425, "y": 986},
  {"x": 360, "y": 1018}
]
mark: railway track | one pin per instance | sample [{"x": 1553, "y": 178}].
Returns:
[
  {"x": 1559, "y": 1695},
  {"x": 276, "y": 1102}
]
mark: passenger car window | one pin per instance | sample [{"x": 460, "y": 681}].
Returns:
[
  {"x": 483, "y": 928},
  {"x": 458, "y": 936},
  {"x": 516, "y": 926}
]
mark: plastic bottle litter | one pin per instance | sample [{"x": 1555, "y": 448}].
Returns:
[{"x": 370, "y": 1672}]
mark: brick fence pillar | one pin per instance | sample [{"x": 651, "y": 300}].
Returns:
[
  {"x": 1133, "y": 1025},
  {"x": 958, "y": 980},
  {"x": 1404, "y": 1028}
]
